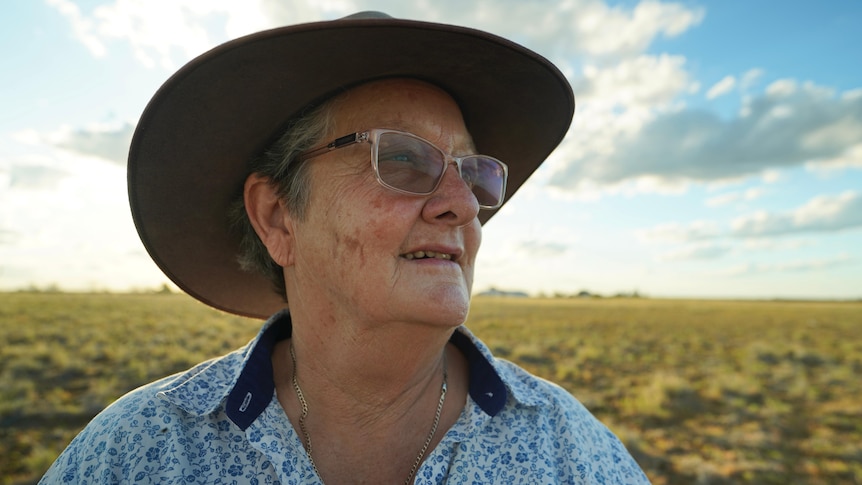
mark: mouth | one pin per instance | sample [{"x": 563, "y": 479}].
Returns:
[{"x": 428, "y": 255}]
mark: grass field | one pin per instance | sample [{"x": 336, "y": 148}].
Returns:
[{"x": 700, "y": 391}]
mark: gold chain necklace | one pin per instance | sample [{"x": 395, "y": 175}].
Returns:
[{"x": 304, "y": 414}]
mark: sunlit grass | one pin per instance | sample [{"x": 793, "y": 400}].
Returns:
[{"x": 709, "y": 391}]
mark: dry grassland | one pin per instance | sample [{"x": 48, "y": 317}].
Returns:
[{"x": 700, "y": 391}]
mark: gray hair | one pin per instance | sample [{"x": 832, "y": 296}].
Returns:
[{"x": 293, "y": 187}]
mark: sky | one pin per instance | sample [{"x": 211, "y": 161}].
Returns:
[{"x": 716, "y": 149}]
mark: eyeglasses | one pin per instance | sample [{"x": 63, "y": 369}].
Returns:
[{"x": 405, "y": 163}]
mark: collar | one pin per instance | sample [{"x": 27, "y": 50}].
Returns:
[{"x": 201, "y": 390}]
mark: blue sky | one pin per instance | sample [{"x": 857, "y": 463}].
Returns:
[{"x": 716, "y": 149}]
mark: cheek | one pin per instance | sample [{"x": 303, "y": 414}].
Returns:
[
  {"x": 473, "y": 238},
  {"x": 347, "y": 245},
  {"x": 361, "y": 225},
  {"x": 347, "y": 250},
  {"x": 365, "y": 222}
]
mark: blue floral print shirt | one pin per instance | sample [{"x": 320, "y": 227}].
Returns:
[{"x": 221, "y": 423}]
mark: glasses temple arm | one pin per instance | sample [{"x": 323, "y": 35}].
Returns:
[{"x": 333, "y": 145}]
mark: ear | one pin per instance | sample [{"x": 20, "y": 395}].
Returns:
[{"x": 269, "y": 217}]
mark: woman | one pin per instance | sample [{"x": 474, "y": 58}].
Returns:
[{"x": 365, "y": 216}]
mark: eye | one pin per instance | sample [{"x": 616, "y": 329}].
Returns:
[
  {"x": 401, "y": 155},
  {"x": 408, "y": 164},
  {"x": 469, "y": 174}
]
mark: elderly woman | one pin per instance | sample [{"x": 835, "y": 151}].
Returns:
[{"x": 356, "y": 223}]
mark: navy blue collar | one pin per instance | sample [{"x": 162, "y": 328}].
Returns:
[{"x": 255, "y": 386}]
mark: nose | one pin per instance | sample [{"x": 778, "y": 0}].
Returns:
[{"x": 453, "y": 202}]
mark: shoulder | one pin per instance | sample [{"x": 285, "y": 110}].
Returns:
[
  {"x": 532, "y": 397},
  {"x": 543, "y": 418},
  {"x": 532, "y": 389},
  {"x": 114, "y": 434},
  {"x": 133, "y": 432},
  {"x": 528, "y": 395}
]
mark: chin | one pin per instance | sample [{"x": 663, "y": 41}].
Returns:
[{"x": 448, "y": 306}]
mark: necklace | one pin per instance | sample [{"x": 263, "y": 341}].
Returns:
[{"x": 307, "y": 437}]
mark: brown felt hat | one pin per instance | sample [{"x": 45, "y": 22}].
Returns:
[{"x": 191, "y": 150}]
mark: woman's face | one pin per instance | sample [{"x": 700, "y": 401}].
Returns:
[{"x": 356, "y": 251}]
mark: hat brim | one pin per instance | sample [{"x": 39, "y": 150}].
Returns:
[{"x": 190, "y": 153}]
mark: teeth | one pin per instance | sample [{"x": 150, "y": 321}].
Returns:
[{"x": 427, "y": 254}]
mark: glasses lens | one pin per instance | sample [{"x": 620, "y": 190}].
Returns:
[
  {"x": 408, "y": 164},
  {"x": 486, "y": 177}
]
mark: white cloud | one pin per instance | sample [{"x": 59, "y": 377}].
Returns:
[
  {"x": 33, "y": 176},
  {"x": 794, "y": 266},
  {"x": 771, "y": 176},
  {"x": 71, "y": 226},
  {"x": 782, "y": 88},
  {"x": 163, "y": 34},
  {"x": 812, "y": 264},
  {"x": 703, "y": 251},
  {"x": 642, "y": 81},
  {"x": 8, "y": 236},
  {"x": 614, "y": 32},
  {"x": 542, "y": 249},
  {"x": 773, "y": 245},
  {"x": 675, "y": 232},
  {"x": 790, "y": 125},
  {"x": 724, "y": 86},
  {"x": 108, "y": 143},
  {"x": 732, "y": 271},
  {"x": 27, "y": 137},
  {"x": 823, "y": 213},
  {"x": 844, "y": 131},
  {"x": 733, "y": 197},
  {"x": 82, "y": 26},
  {"x": 749, "y": 78},
  {"x": 849, "y": 158},
  {"x": 583, "y": 29}
]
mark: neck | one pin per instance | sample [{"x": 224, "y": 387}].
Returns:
[
  {"x": 361, "y": 362},
  {"x": 307, "y": 437},
  {"x": 369, "y": 388},
  {"x": 372, "y": 370}
]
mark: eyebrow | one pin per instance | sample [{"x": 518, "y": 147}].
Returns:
[{"x": 392, "y": 124}]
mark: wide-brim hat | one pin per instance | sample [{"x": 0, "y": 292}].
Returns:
[{"x": 191, "y": 150}]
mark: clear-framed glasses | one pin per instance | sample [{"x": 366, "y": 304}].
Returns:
[{"x": 408, "y": 164}]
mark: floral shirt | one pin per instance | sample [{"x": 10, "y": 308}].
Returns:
[{"x": 221, "y": 423}]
